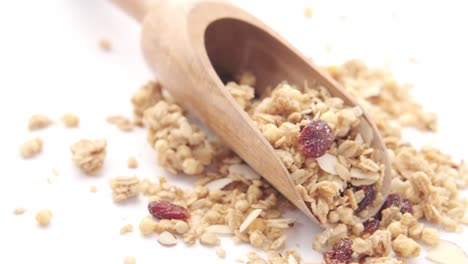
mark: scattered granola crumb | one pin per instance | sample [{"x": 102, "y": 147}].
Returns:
[
  {"x": 55, "y": 172},
  {"x": 49, "y": 180},
  {"x": 30, "y": 148},
  {"x": 105, "y": 45},
  {"x": 70, "y": 120},
  {"x": 120, "y": 122},
  {"x": 43, "y": 217},
  {"x": 93, "y": 188},
  {"x": 124, "y": 188},
  {"x": 89, "y": 155},
  {"x": 132, "y": 163},
  {"x": 37, "y": 122},
  {"x": 129, "y": 260},
  {"x": 308, "y": 12},
  {"x": 126, "y": 229},
  {"x": 221, "y": 253},
  {"x": 19, "y": 211}
]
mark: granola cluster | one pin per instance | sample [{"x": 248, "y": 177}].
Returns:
[{"x": 89, "y": 155}]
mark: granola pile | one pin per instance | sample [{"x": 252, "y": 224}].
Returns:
[
  {"x": 338, "y": 175},
  {"x": 229, "y": 198},
  {"x": 327, "y": 148}
]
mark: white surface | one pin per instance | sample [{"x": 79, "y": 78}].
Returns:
[{"x": 50, "y": 64}]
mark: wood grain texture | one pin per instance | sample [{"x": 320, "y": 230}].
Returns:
[{"x": 189, "y": 43}]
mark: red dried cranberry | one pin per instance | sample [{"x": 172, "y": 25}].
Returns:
[
  {"x": 393, "y": 200},
  {"x": 396, "y": 200},
  {"x": 370, "y": 226},
  {"x": 406, "y": 206},
  {"x": 341, "y": 252},
  {"x": 167, "y": 210},
  {"x": 369, "y": 196},
  {"x": 315, "y": 139}
]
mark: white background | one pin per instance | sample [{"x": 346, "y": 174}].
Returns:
[{"x": 50, "y": 64}]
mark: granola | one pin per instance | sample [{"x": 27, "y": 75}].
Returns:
[
  {"x": 89, "y": 155},
  {"x": 230, "y": 199},
  {"x": 37, "y": 122},
  {"x": 70, "y": 120},
  {"x": 129, "y": 260},
  {"x": 124, "y": 188},
  {"x": 298, "y": 121},
  {"x": 30, "y": 148},
  {"x": 43, "y": 217},
  {"x": 132, "y": 163},
  {"x": 19, "y": 211},
  {"x": 126, "y": 229},
  {"x": 120, "y": 122},
  {"x": 105, "y": 45}
]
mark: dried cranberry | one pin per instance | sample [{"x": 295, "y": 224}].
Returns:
[
  {"x": 315, "y": 139},
  {"x": 369, "y": 196},
  {"x": 370, "y": 226},
  {"x": 167, "y": 210},
  {"x": 406, "y": 206},
  {"x": 396, "y": 200},
  {"x": 341, "y": 252}
]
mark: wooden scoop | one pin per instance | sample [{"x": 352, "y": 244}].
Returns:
[{"x": 189, "y": 44}]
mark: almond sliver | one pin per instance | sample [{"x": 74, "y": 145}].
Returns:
[{"x": 249, "y": 219}]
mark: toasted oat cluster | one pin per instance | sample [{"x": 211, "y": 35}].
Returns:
[
  {"x": 124, "y": 188},
  {"x": 181, "y": 146},
  {"x": 339, "y": 183},
  {"x": 144, "y": 98},
  {"x": 30, "y": 148},
  {"x": 89, "y": 155}
]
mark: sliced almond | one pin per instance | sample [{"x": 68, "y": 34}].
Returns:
[
  {"x": 373, "y": 91},
  {"x": 342, "y": 172},
  {"x": 219, "y": 229},
  {"x": 281, "y": 222},
  {"x": 209, "y": 239},
  {"x": 365, "y": 130},
  {"x": 359, "y": 139},
  {"x": 249, "y": 219},
  {"x": 327, "y": 163},
  {"x": 167, "y": 239},
  {"x": 362, "y": 175},
  {"x": 356, "y": 182},
  {"x": 446, "y": 252},
  {"x": 292, "y": 260},
  {"x": 243, "y": 170},
  {"x": 218, "y": 184}
]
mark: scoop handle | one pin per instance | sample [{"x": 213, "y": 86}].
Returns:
[{"x": 135, "y": 8}]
